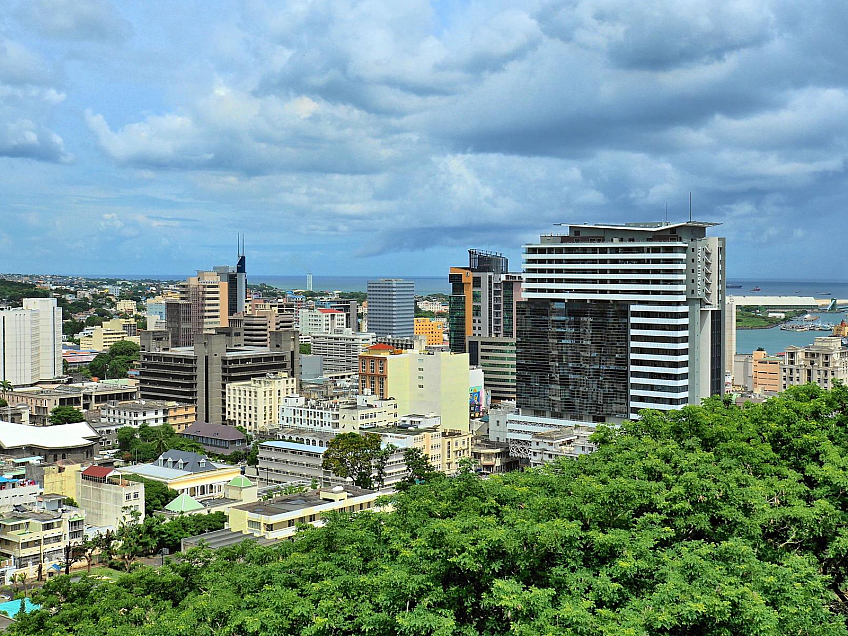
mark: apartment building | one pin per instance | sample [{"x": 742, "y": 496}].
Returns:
[
  {"x": 126, "y": 306},
  {"x": 420, "y": 382},
  {"x": 108, "y": 498},
  {"x": 619, "y": 318},
  {"x": 135, "y": 413},
  {"x": 443, "y": 449},
  {"x": 255, "y": 404},
  {"x": 338, "y": 415},
  {"x": 322, "y": 320},
  {"x": 820, "y": 363},
  {"x": 31, "y": 342},
  {"x": 529, "y": 434},
  {"x": 37, "y": 534},
  {"x": 83, "y": 396},
  {"x": 208, "y": 298},
  {"x": 100, "y": 338}
]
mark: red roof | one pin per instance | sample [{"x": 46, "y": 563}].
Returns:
[
  {"x": 100, "y": 472},
  {"x": 330, "y": 311},
  {"x": 381, "y": 347}
]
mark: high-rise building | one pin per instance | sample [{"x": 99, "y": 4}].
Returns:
[
  {"x": 200, "y": 374},
  {"x": 482, "y": 301},
  {"x": 340, "y": 351},
  {"x": 619, "y": 318},
  {"x": 391, "y": 307},
  {"x": 208, "y": 298},
  {"x": 31, "y": 342},
  {"x": 423, "y": 382}
]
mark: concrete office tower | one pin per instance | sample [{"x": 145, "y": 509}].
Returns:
[
  {"x": 199, "y": 374},
  {"x": 618, "y": 318},
  {"x": 391, "y": 307},
  {"x": 482, "y": 301},
  {"x": 31, "y": 342},
  {"x": 309, "y": 282}
]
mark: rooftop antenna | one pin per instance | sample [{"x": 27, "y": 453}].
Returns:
[
  {"x": 690, "y": 207},
  {"x": 666, "y": 212}
]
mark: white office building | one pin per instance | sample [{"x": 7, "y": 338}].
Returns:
[
  {"x": 619, "y": 318},
  {"x": 31, "y": 342},
  {"x": 340, "y": 351}
]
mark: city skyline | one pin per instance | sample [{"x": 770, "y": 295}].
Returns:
[{"x": 373, "y": 137}]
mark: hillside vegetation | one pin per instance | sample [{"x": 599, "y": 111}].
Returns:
[{"x": 713, "y": 520}]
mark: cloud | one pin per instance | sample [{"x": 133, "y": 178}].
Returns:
[
  {"x": 27, "y": 140},
  {"x": 92, "y": 20}
]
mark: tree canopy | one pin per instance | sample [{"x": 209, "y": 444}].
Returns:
[
  {"x": 115, "y": 362},
  {"x": 65, "y": 415},
  {"x": 146, "y": 443},
  {"x": 716, "y": 520},
  {"x": 355, "y": 455}
]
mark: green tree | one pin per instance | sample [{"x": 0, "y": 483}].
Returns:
[
  {"x": 65, "y": 415},
  {"x": 354, "y": 455},
  {"x": 156, "y": 494},
  {"x": 305, "y": 348},
  {"x": 5, "y": 385},
  {"x": 3, "y": 403},
  {"x": 418, "y": 467}
]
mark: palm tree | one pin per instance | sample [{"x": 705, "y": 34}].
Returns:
[
  {"x": 20, "y": 577},
  {"x": 5, "y": 385}
]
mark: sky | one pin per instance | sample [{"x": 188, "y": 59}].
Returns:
[{"x": 370, "y": 138}]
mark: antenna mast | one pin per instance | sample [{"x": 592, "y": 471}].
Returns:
[{"x": 690, "y": 207}]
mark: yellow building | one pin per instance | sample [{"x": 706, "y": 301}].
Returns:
[
  {"x": 278, "y": 518},
  {"x": 126, "y": 306},
  {"x": 444, "y": 449},
  {"x": 180, "y": 416},
  {"x": 431, "y": 382},
  {"x": 190, "y": 473},
  {"x": 38, "y": 534},
  {"x": 766, "y": 372},
  {"x": 101, "y": 338},
  {"x": 62, "y": 479},
  {"x": 434, "y": 330},
  {"x": 255, "y": 403}
]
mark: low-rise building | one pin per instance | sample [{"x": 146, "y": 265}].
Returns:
[
  {"x": 134, "y": 413},
  {"x": 766, "y": 372},
  {"x": 820, "y": 363},
  {"x": 76, "y": 442},
  {"x": 190, "y": 473},
  {"x": 107, "y": 497},
  {"x": 36, "y": 535},
  {"x": 338, "y": 415},
  {"x": 216, "y": 438},
  {"x": 321, "y": 320},
  {"x": 126, "y": 306},
  {"x": 83, "y": 396},
  {"x": 101, "y": 338},
  {"x": 180, "y": 415},
  {"x": 279, "y": 518},
  {"x": 507, "y": 425},
  {"x": 255, "y": 403},
  {"x": 443, "y": 449},
  {"x": 493, "y": 458}
]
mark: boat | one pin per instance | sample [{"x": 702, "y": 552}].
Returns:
[
  {"x": 756, "y": 289},
  {"x": 734, "y": 286}
]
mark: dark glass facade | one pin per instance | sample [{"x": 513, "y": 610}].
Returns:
[
  {"x": 456, "y": 314},
  {"x": 572, "y": 359}
]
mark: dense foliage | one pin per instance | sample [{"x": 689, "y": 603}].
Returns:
[
  {"x": 359, "y": 457},
  {"x": 115, "y": 362},
  {"x": 146, "y": 443},
  {"x": 14, "y": 292},
  {"x": 65, "y": 415},
  {"x": 715, "y": 520}
]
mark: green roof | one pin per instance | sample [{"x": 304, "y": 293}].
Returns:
[
  {"x": 241, "y": 481},
  {"x": 183, "y": 503}
]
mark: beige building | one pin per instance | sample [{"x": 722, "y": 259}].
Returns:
[
  {"x": 255, "y": 404},
  {"x": 766, "y": 373},
  {"x": 433, "y": 330},
  {"x": 278, "y": 518},
  {"x": 180, "y": 416},
  {"x": 107, "y": 497},
  {"x": 83, "y": 396},
  {"x": 444, "y": 449},
  {"x": 38, "y": 534},
  {"x": 101, "y": 338},
  {"x": 820, "y": 363},
  {"x": 126, "y": 306},
  {"x": 208, "y": 295}
]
